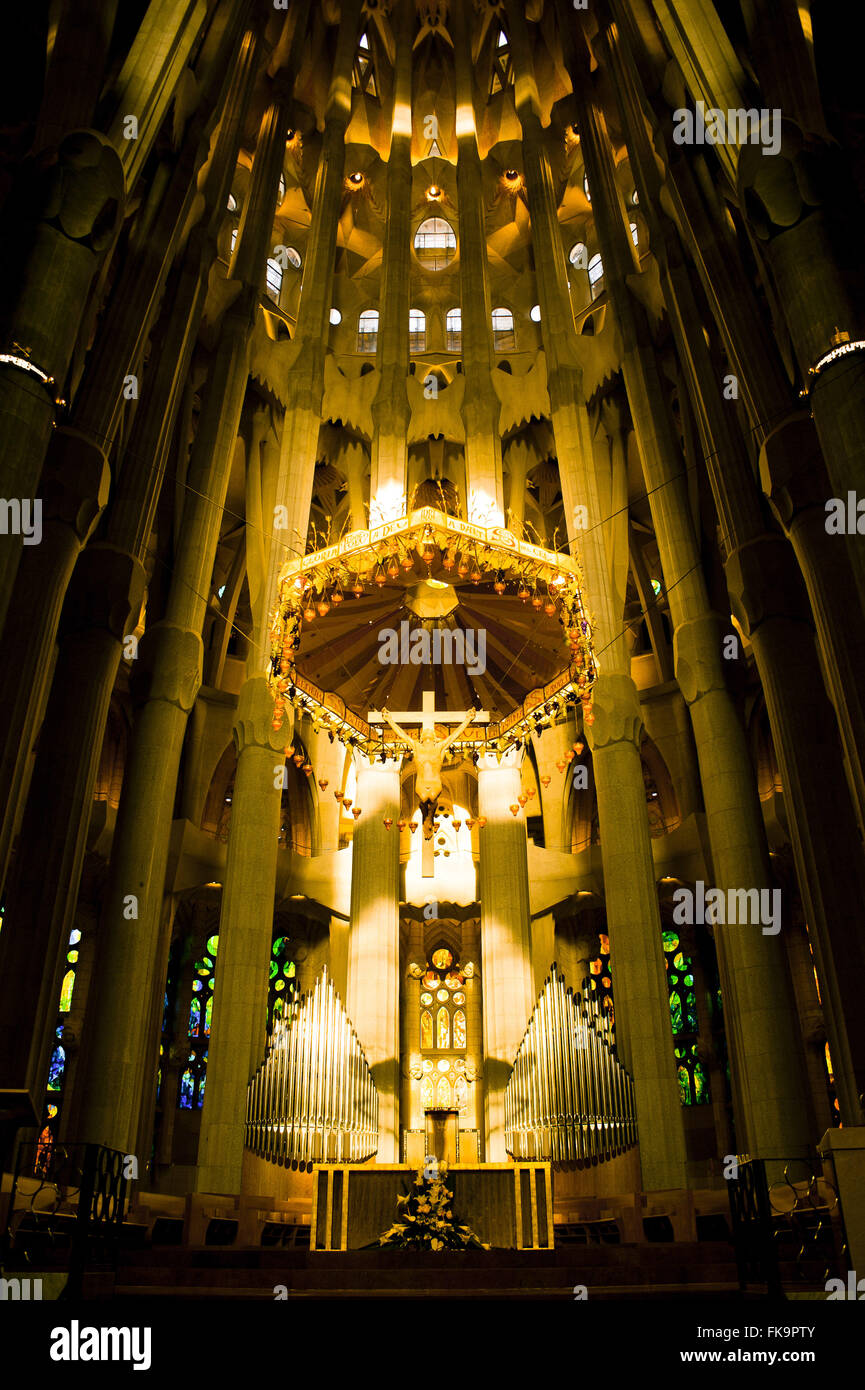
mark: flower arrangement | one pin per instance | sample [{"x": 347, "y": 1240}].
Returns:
[{"x": 426, "y": 1220}]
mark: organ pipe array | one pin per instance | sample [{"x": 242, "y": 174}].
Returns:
[
  {"x": 569, "y": 1097},
  {"x": 313, "y": 1099}
]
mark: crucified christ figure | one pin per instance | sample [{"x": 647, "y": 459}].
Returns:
[{"x": 428, "y": 752}]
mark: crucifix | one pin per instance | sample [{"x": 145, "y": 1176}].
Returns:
[{"x": 428, "y": 752}]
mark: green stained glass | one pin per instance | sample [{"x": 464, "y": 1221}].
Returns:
[
  {"x": 280, "y": 984},
  {"x": 701, "y": 1086},
  {"x": 274, "y": 969},
  {"x": 66, "y": 991},
  {"x": 676, "y": 1012},
  {"x": 196, "y": 986},
  {"x": 278, "y": 944},
  {"x": 208, "y": 1011},
  {"x": 290, "y": 971},
  {"x": 210, "y": 984},
  {"x": 670, "y": 940},
  {"x": 72, "y": 957},
  {"x": 194, "y": 1016},
  {"x": 684, "y": 1085},
  {"x": 213, "y": 944},
  {"x": 689, "y": 979},
  {"x": 674, "y": 979},
  {"x": 679, "y": 961}
]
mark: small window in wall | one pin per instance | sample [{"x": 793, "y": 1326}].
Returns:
[
  {"x": 416, "y": 330},
  {"x": 579, "y": 255},
  {"x": 232, "y": 203},
  {"x": 435, "y": 243},
  {"x": 454, "y": 327},
  {"x": 635, "y": 235},
  {"x": 503, "y": 330},
  {"x": 274, "y": 278},
  {"x": 233, "y": 240},
  {"x": 280, "y": 193},
  {"x": 367, "y": 331},
  {"x": 586, "y": 188},
  {"x": 596, "y": 276},
  {"x": 292, "y": 255}
]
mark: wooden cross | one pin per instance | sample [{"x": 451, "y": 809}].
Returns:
[{"x": 427, "y": 717}]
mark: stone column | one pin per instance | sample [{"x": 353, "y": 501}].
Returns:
[
  {"x": 766, "y": 594},
  {"x": 305, "y": 385},
  {"x": 480, "y": 404},
  {"x": 773, "y": 1115},
  {"x": 64, "y": 228},
  {"x": 643, "y": 1033},
  {"x": 550, "y": 749},
  {"x": 76, "y": 478},
  {"x": 237, "y": 1038},
  {"x": 508, "y": 991},
  {"x": 170, "y": 670},
  {"x": 594, "y": 489},
  {"x": 373, "y": 948},
  {"x": 390, "y": 409}
]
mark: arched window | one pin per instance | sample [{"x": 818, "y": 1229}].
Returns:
[
  {"x": 635, "y": 236},
  {"x": 233, "y": 240},
  {"x": 232, "y": 203},
  {"x": 503, "y": 330},
  {"x": 443, "y": 1029},
  {"x": 363, "y": 71},
  {"x": 274, "y": 278},
  {"x": 435, "y": 244},
  {"x": 367, "y": 331},
  {"x": 579, "y": 255},
  {"x": 693, "y": 1082},
  {"x": 416, "y": 330},
  {"x": 596, "y": 276},
  {"x": 190, "y": 1094},
  {"x": 280, "y": 192},
  {"x": 443, "y": 1094},
  {"x": 454, "y": 328},
  {"x": 426, "y": 1029},
  {"x": 586, "y": 188},
  {"x": 282, "y": 984}
]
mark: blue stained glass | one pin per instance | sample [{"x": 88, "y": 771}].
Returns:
[
  {"x": 194, "y": 1016},
  {"x": 197, "y": 987},
  {"x": 187, "y": 1088},
  {"x": 56, "y": 1068},
  {"x": 207, "y": 1014}
]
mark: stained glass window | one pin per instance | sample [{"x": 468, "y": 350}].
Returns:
[
  {"x": 690, "y": 1073},
  {"x": 66, "y": 991},
  {"x": 459, "y": 1029},
  {"x": 443, "y": 1028},
  {"x": 442, "y": 959},
  {"x": 443, "y": 1094},
  {"x": 56, "y": 1068},
  {"x": 426, "y": 1029},
  {"x": 461, "y": 1095},
  {"x": 426, "y": 1093},
  {"x": 282, "y": 983}
]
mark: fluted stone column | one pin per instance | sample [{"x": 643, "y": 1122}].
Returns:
[
  {"x": 508, "y": 987},
  {"x": 390, "y": 409},
  {"x": 103, "y": 603},
  {"x": 170, "y": 671},
  {"x": 305, "y": 385},
  {"x": 237, "y": 1038},
  {"x": 594, "y": 491},
  {"x": 773, "y": 1115},
  {"x": 480, "y": 403},
  {"x": 550, "y": 749},
  {"x": 62, "y": 232},
  {"x": 373, "y": 948}
]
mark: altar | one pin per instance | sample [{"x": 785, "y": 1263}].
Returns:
[{"x": 508, "y": 1205}]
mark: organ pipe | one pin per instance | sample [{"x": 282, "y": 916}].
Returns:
[
  {"x": 313, "y": 1099},
  {"x": 568, "y": 1097}
]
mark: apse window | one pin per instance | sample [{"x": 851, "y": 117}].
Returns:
[
  {"x": 367, "y": 331},
  {"x": 454, "y": 330},
  {"x": 435, "y": 244},
  {"x": 273, "y": 279},
  {"x": 503, "y": 330},
  {"x": 416, "y": 330},
  {"x": 596, "y": 276}
]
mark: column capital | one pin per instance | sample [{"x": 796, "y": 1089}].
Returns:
[
  {"x": 764, "y": 581},
  {"x": 253, "y": 724},
  {"x": 106, "y": 592},
  {"x": 616, "y": 708},
  {"x": 790, "y": 488},
  {"x": 169, "y": 666},
  {"x": 697, "y": 648}
]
